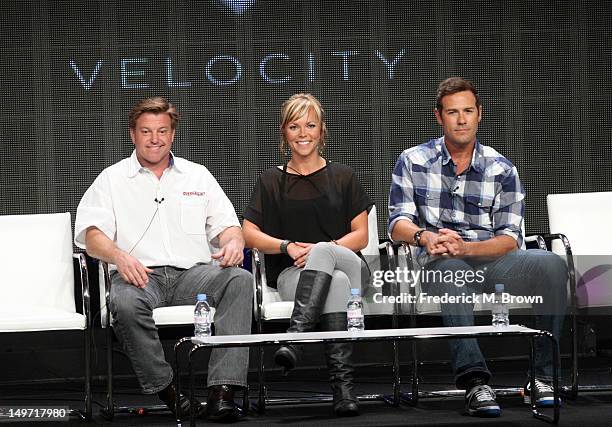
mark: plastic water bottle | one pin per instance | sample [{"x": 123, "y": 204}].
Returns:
[
  {"x": 354, "y": 312},
  {"x": 201, "y": 317},
  {"x": 500, "y": 309}
]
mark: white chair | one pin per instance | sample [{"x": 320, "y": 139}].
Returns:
[
  {"x": 37, "y": 291},
  {"x": 268, "y": 305},
  {"x": 178, "y": 315},
  {"x": 580, "y": 229}
]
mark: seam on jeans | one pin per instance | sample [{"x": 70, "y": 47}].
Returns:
[{"x": 157, "y": 390}]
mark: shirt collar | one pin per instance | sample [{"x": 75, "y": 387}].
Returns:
[
  {"x": 135, "y": 166},
  {"x": 478, "y": 161}
]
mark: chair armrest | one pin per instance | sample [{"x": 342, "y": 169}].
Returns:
[
  {"x": 537, "y": 238},
  {"x": 104, "y": 285},
  {"x": 84, "y": 279},
  {"x": 570, "y": 263},
  {"x": 258, "y": 269},
  {"x": 564, "y": 240}
]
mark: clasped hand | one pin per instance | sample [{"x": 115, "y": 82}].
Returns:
[
  {"x": 298, "y": 251},
  {"x": 445, "y": 242}
]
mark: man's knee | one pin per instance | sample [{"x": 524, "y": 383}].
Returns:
[
  {"x": 550, "y": 264},
  {"x": 242, "y": 281},
  {"x": 128, "y": 302},
  {"x": 553, "y": 263}
]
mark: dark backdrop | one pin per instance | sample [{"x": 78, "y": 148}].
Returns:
[{"x": 70, "y": 70}]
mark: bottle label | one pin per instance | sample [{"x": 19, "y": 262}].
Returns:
[
  {"x": 201, "y": 319},
  {"x": 354, "y": 314}
]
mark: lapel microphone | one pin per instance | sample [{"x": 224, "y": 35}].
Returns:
[{"x": 158, "y": 201}]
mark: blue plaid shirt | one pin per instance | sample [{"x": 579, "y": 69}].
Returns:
[{"x": 486, "y": 200}]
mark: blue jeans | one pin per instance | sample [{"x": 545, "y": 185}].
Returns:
[
  {"x": 523, "y": 272},
  {"x": 229, "y": 290}
]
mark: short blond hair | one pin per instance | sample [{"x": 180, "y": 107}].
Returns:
[
  {"x": 298, "y": 106},
  {"x": 155, "y": 105}
]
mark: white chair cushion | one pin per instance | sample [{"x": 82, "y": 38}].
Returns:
[
  {"x": 277, "y": 310},
  {"x": 176, "y": 315},
  {"x": 38, "y": 318}
]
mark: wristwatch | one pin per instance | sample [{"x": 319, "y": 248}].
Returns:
[
  {"x": 283, "y": 246},
  {"x": 417, "y": 237}
]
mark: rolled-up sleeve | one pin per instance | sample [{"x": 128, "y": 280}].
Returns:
[
  {"x": 401, "y": 194},
  {"x": 95, "y": 210},
  {"x": 509, "y": 207},
  {"x": 220, "y": 212}
]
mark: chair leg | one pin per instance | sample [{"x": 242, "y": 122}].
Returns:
[
  {"x": 88, "y": 340},
  {"x": 109, "y": 411},
  {"x": 261, "y": 398}
]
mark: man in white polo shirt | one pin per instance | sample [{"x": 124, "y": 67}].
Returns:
[{"x": 169, "y": 232}]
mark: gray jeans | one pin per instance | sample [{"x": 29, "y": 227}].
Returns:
[
  {"x": 229, "y": 290},
  {"x": 345, "y": 267}
]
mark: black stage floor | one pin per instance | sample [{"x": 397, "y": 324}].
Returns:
[{"x": 590, "y": 409}]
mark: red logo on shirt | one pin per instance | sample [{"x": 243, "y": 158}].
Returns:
[{"x": 193, "y": 193}]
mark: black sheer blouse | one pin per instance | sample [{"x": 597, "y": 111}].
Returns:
[{"x": 306, "y": 208}]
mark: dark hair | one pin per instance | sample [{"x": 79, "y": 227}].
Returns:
[
  {"x": 453, "y": 85},
  {"x": 155, "y": 105}
]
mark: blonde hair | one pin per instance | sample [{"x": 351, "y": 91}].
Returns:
[
  {"x": 296, "y": 107},
  {"x": 155, "y": 105}
]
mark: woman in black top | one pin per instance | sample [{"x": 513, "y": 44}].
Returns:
[{"x": 309, "y": 217}]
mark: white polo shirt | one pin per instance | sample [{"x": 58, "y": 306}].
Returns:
[{"x": 190, "y": 211}]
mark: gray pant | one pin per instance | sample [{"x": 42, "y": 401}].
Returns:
[
  {"x": 345, "y": 267},
  {"x": 229, "y": 290}
]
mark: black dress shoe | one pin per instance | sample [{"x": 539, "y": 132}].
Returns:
[
  {"x": 287, "y": 357},
  {"x": 346, "y": 408},
  {"x": 168, "y": 396},
  {"x": 220, "y": 405}
]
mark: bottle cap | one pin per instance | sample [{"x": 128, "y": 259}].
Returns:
[
  {"x": 201, "y": 297},
  {"x": 499, "y": 288},
  {"x": 354, "y": 291}
]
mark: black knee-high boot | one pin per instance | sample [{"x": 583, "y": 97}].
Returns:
[
  {"x": 310, "y": 295},
  {"x": 340, "y": 367}
]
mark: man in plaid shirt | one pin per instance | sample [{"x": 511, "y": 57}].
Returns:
[{"x": 462, "y": 204}]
